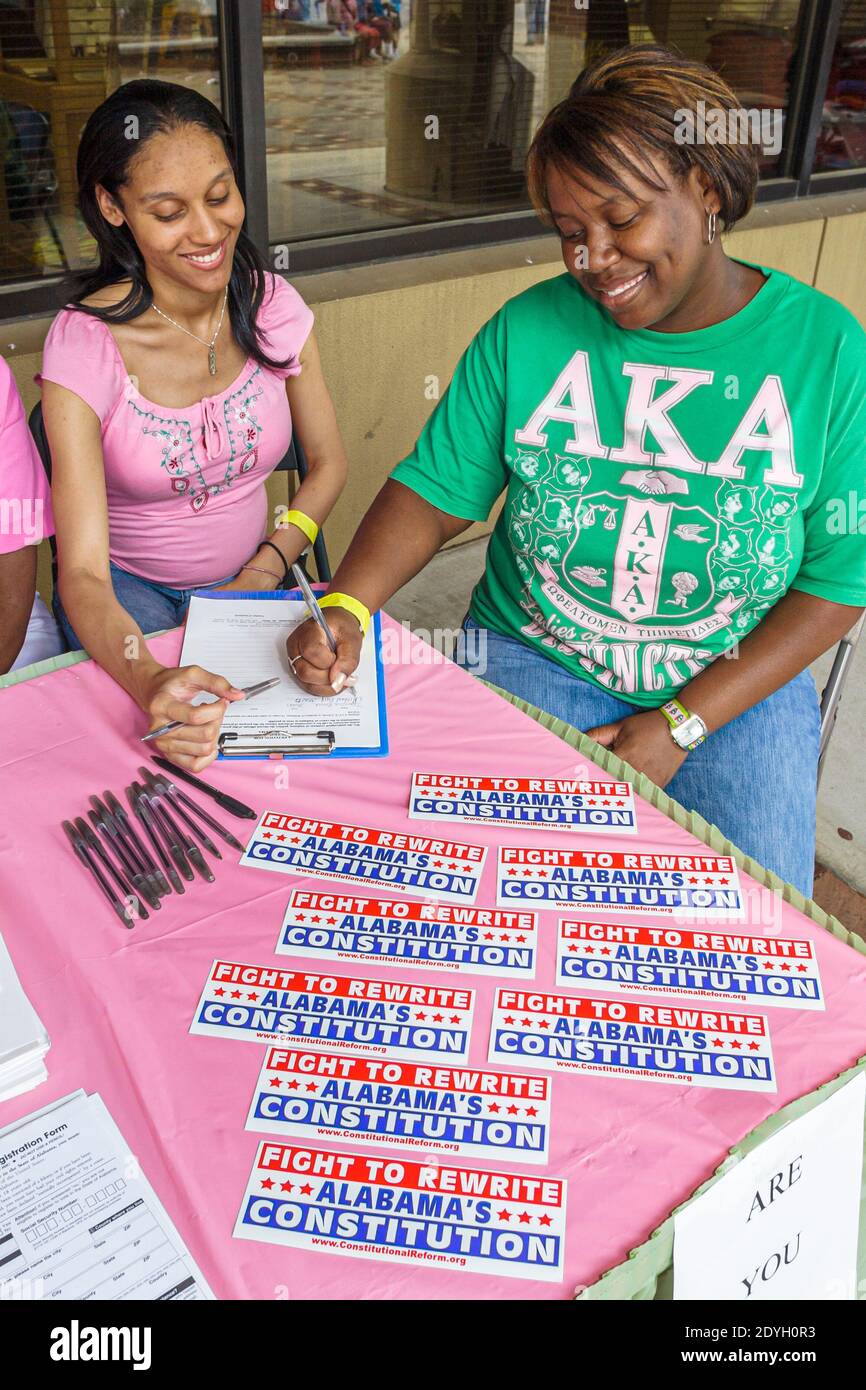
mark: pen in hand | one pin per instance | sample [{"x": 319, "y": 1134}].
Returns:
[
  {"x": 249, "y": 692},
  {"x": 317, "y": 615}
]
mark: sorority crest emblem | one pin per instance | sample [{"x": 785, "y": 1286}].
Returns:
[{"x": 651, "y": 569}]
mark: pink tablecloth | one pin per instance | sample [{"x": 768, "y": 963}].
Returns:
[{"x": 118, "y": 1004}]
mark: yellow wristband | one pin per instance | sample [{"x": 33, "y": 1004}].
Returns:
[
  {"x": 351, "y": 605},
  {"x": 304, "y": 523}
]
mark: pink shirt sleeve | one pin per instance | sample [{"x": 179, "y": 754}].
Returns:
[
  {"x": 25, "y": 498},
  {"x": 284, "y": 323},
  {"x": 80, "y": 354}
]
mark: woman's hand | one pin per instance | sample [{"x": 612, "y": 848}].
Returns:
[
  {"x": 168, "y": 697},
  {"x": 644, "y": 741},
  {"x": 313, "y": 663}
]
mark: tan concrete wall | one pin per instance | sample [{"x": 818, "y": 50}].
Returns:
[{"x": 380, "y": 349}]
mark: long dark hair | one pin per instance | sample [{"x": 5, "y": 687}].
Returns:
[{"x": 149, "y": 108}]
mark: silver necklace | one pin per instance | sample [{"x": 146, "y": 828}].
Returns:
[{"x": 211, "y": 350}]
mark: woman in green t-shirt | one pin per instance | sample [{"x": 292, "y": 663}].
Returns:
[{"x": 674, "y": 431}]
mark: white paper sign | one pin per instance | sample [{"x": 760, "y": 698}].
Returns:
[{"x": 784, "y": 1223}]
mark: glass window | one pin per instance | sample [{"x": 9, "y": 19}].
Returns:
[
  {"x": 385, "y": 114},
  {"x": 842, "y": 137},
  {"x": 58, "y": 61}
]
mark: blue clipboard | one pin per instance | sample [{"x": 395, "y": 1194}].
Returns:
[{"x": 339, "y": 752}]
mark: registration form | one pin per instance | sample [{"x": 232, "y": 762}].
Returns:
[
  {"x": 245, "y": 640},
  {"x": 78, "y": 1218}
]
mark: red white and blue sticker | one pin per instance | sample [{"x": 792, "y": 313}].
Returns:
[
  {"x": 366, "y": 857},
  {"x": 474, "y": 940},
  {"x": 694, "y": 885},
  {"x": 540, "y": 803},
  {"x": 405, "y": 1212},
  {"x": 641, "y": 1042},
  {"x": 459, "y": 1111},
  {"x": 267, "y": 1004},
  {"x": 704, "y": 964}
]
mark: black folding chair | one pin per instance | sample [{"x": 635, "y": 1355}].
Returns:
[
  {"x": 832, "y": 692},
  {"x": 293, "y": 461}
]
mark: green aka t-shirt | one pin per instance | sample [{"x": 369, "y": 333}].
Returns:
[{"x": 663, "y": 490}]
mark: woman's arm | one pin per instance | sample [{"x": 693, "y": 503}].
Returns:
[
  {"x": 17, "y": 590},
  {"x": 109, "y": 634},
  {"x": 397, "y": 537},
  {"x": 315, "y": 422},
  {"x": 793, "y": 634}
]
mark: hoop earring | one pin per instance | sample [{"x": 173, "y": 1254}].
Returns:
[{"x": 711, "y": 228}]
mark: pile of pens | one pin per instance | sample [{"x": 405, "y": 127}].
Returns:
[{"x": 154, "y": 851}]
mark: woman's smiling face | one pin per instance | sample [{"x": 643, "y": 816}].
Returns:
[{"x": 642, "y": 255}]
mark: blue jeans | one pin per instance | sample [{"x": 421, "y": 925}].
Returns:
[
  {"x": 153, "y": 606},
  {"x": 755, "y": 778}
]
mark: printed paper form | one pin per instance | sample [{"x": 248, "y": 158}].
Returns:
[
  {"x": 245, "y": 641},
  {"x": 78, "y": 1218}
]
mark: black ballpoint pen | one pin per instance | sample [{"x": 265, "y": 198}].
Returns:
[
  {"x": 228, "y": 803},
  {"x": 81, "y": 851},
  {"x": 122, "y": 821},
  {"x": 141, "y": 884},
  {"x": 101, "y": 819},
  {"x": 164, "y": 788},
  {"x": 132, "y": 897},
  {"x": 194, "y": 807},
  {"x": 186, "y": 844},
  {"x": 169, "y": 835},
  {"x": 144, "y": 811},
  {"x": 156, "y": 875},
  {"x": 116, "y": 831}
]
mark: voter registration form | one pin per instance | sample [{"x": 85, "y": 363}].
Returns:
[
  {"x": 78, "y": 1218},
  {"x": 245, "y": 641}
]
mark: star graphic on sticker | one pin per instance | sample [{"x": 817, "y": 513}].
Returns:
[
  {"x": 493, "y": 1108},
  {"x": 544, "y": 1220},
  {"x": 236, "y": 994},
  {"x": 219, "y": 991},
  {"x": 531, "y": 1110},
  {"x": 512, "y": 1110},
  {"x": 306, "y": 1189},
  {"x": 287, "y": 1187},
  {"x": 754, "y": 1046},
  {"x": 311, "y": 1086},
  {"x": 525, "y": 1218},
  {"x": 275, "y": 1081},
  {"x": 267, "y": 1182},
  {"x": 504, "y": 1215},
  {"x": 291, "y": 1085}
]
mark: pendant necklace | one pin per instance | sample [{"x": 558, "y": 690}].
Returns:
[{"x": 211, "y": 349}]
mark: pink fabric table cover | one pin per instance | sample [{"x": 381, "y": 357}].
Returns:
[{"x": 118, "y": 1003}]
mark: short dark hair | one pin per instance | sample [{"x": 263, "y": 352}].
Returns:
[{"x": 626, "y": 107}]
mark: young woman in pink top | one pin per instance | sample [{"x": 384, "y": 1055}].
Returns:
[{"x": 170, "y": 386}]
